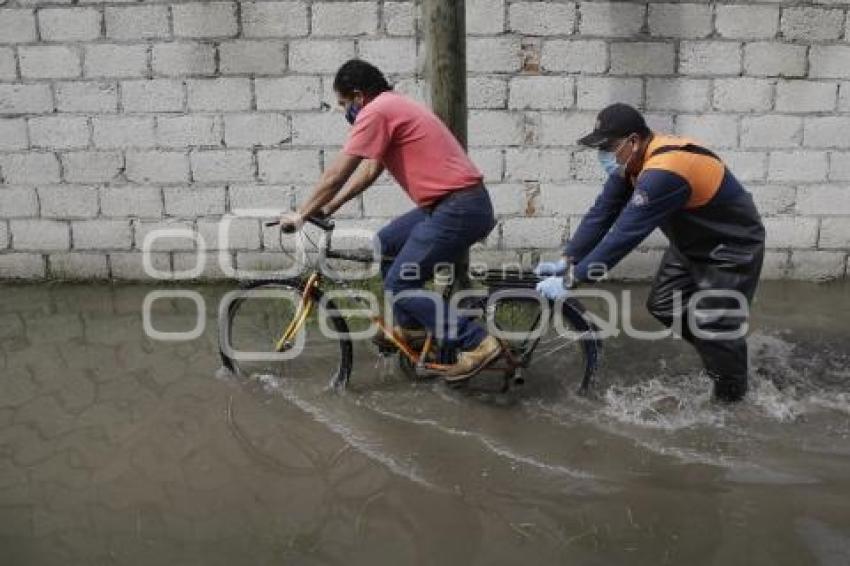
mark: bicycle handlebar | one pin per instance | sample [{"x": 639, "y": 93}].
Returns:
[{"x": 326, "y": 225}]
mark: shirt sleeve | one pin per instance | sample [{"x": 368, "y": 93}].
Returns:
[
  {"x": 369, "y": 137},
  {"x": 598, "y": 220},
  {"x": 657, "y": 196}
]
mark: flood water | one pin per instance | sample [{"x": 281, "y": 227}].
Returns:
[{"x": 119, "y": 449}]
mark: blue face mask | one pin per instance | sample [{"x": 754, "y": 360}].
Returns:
[
  {"x": 352, "y": 111},
  {"x": 608, "y": 160}
]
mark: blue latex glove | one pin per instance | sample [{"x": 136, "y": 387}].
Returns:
[
  {"x": 552, "y": 288},
  {"x": 545, "y": 268}
]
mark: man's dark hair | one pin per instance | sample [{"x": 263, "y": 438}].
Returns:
[{"x": 358, "y": 75}]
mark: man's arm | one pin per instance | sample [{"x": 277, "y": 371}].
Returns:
[
  {"x": 599, "y": 219},
  {"x": 331, "y": 181},
  {"x": 658, "y": 195},
  {"x": 366, "y": 174}
]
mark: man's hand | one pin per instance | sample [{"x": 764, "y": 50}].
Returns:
[
  {"x": 552, "y": 288},
  {"x": 545, "y": 268},
  {"x": 291, "y": 222}
]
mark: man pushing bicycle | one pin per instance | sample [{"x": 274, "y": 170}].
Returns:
[{"x": 393, "y": 132}]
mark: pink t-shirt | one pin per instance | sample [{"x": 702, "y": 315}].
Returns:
[{"x": 414, "y": 145}]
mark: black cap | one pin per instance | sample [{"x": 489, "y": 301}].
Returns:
[{"x": 614, "y": 122}]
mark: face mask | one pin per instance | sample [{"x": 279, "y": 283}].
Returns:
[
  {"x": 608, "y": 161},
  {"x": 352, "y": 111}
]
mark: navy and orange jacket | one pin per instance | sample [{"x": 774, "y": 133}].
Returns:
[{"x": 682, "y": 188}]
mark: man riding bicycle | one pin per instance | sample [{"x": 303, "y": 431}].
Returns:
[{"x": 453, "y": 208}]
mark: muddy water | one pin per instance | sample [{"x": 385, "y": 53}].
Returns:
[{"x": 119, "y": 449}]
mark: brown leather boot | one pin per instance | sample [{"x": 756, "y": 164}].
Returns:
[{"x": 473, "y": 361}]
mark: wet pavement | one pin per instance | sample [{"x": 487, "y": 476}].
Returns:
[{"x": 119, "y": 449}]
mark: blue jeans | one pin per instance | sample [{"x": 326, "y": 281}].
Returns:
[{"x": 423, "y": 238}]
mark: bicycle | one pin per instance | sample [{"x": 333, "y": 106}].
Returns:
[{"x": 507, "y": 299}]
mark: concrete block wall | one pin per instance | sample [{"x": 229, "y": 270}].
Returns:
[{"x": 120, "y": 119}]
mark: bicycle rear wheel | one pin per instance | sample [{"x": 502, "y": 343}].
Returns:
[{"x": 252, "y": 323}]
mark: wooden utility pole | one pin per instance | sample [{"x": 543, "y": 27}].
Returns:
[{"x": 445, "y": 23}]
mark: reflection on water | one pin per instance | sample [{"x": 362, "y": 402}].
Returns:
[{"x": 115, "y": 448}]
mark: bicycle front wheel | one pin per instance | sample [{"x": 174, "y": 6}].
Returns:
[{"x": 274, "y": 328}]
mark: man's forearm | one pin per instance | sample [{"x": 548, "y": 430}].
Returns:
[
  {"x": 330, "y": 183},
  {"x": 358, "y": 183}
]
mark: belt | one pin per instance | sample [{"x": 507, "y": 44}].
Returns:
[{"x": 431, "y": 207}]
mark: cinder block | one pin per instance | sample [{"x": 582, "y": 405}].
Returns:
[
  {"x": 386, "y": 202},
  {"x": 288, "y": 93},
  {"x": 490, "y": 162},
  {"x": 680, "y": 20},
  {"x": 68, "y": 201},
  {"x": 710, "y": 58},
  {"x": 716, "y": 130},
  {"x": 485, "y": 17},
  {"x": 791, "y": 231},
  {"x": 564, "y": 129},
  {"x": 219, "y": 95},
  {"x": 543, "y": 18},
  {"x": 771, "y": 131},
  {"x": 189, "y": 131},
  {"x": 520, "y": 233},
  {"x": 834, "y": 233},
  {"x": 547, "y": 93},
  {"x": 39, "y": 235},
  {"x": 827, "y": 131},
  {"x": 773, "y": 199},
  {"x": 567, "y": 199},
  {"x": 611, "y": 19},
  {"x": 192, "y": 202},
  {"x": 844, "y": 97},
  {"x": 59, "y": 132},
  {"x": 345, "y": 18},
  {"x": 78, "y": 266},
  {"x": 222, "y": 166},
  {"x": 811, "y": 265},
  {"x": 155, "y": 95},
  {"x": 101, "y": 235},
  {"x": 746, "y": 165},
  {"x": 325, "y": 128},
  {"x": 586, "y": 167},
  {"x": 598, "y": 92},
  {"x": 685, "y": 95},
  {"x": 493, "y": 128},
  {"x": 579, "y": 56},
  {"x": 248, "y": 130},
  {"x": 747, "y": 22},
  {"x": 13, "y": 134},
  {"x": 288, "y": 166},
  {"x": 641, "y": 58},
  {"x": 21, "y": 266},
  {"x": 274, "y": 19},
  {"x": 116, "y": 61},
  {"x": 526, "y": 164},
  {"x": 148, "y": 167},
  {"x": 69, "y": 24},
  {"x": 242, "y": 233},
  {"x": 163, "y": 243},
  {"x": 812, "y": 24},
  {"x": 130, "y": 267},
  {"x": 256, "y": 197},
  {"x": 137, "y": 22},
  {"x": 486, "y": 92},
  {"x": 92, "y": 166},
  {"x": 8, "y": 65},
  {"x": 183, "y": 59},
  {"x": 743, "y": 94},
  {"x": 111, "y": 132},
  {"x": 773, "y": 59},
  {"x": 25, "y": 99},
  {"x": 391, "y": 55},
  {"x": 493, "y": 55},
  {"x": 823, "y": 199},
  {"x": 508, "y": 199},
  {"x": 133, "y": 201},
  {"x": 829, "y": 61},
  {"x": 95, "y": 97},
  {"x": 400, "y": 18},
  {"x": 49, "y": 62},
  {"x": 204, "y": 19},
  {"x": 17, "y": 26},
  {"x": 248, "y": 57},
  {"x": 806, "y": 96},
  {"x": 29, "y": 168},
  {"x": 18, "y": 201},
  {"x": 775, "y": 265},
  {"x": 4, "y": 235},
  {"x": 319, "y": 56},
  {"x": 839, "y": 166},
  {"x": 802, "y": 166}
]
